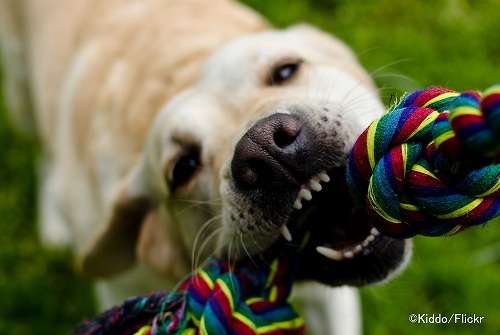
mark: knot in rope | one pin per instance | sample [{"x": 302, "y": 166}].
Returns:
[
  {"x": 429, "y": 166},
  {"x": 216, "y": 299}
]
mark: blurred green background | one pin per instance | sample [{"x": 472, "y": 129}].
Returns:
[{"x": 406, "y": 46}]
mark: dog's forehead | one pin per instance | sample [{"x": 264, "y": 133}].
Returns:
[
  {"x": 251, "y": 52},
  {"x": 259, "y": 45},
  {"x": 187, "y": 105},
  {"x": 194, "y": 111}
]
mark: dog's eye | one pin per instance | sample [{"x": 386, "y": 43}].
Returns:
[
  {"x": 283, "y": 72},
  {"x": 184, "y": 169}
]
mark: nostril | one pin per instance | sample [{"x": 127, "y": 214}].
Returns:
[
  {"x": 286, "y": 133},
  {"x": 282, "y": 138},
  {"x": 247, "y": 176},
  {"x": 256, "y": 171}
]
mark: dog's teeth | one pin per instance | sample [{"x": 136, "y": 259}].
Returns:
[
  {"x": 286, "y": 233},
  {"x": 315, "y": 185},
  {"x": 330, "y": 253},
  {"x": 324, "y": 177},
  {"x": 348, "y": 254},
  {"x": 297, "y": 204},
  {"x": 305, "y": 194},
  {"x": 369, "y": 239}
]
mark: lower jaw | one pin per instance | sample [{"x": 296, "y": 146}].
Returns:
[{"x": 376, "y": 264}]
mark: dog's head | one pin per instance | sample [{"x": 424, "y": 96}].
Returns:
[{"x": 255, "y": 149}]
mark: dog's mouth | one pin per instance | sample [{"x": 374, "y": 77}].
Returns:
[
  {"x": 323, "y": 202},
  {"x": 339, "y": 243},
  {"x": 289, "y": 187}
]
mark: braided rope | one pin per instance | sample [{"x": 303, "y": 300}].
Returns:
[
  {"x": 430, "y": 165},
  {"x": 248, "y": 299}
]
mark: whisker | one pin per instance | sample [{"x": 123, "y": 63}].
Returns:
[
  {"x": 246, "y": 250},
  {"x": 200, "y": 204},
  {"x": 205, "y": 243},
  {"x": 229, "y": 247},
  {"x": 376, "y": 74},
  {"x": 255, "y": 242},
  {"x": 362, "y": 53},
  {"x": 383, "y": 67},
  {"x": 258, "y": 246},
  {"x": 229, "y": 260},
  {"x": 203, "y": 246},
  {"x": 197, "y": 252},
  {"x": 392, "y": 75},
  {"x": 357, "y": 98}
]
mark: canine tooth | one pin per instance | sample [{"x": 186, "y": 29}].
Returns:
[
  {"x": 374, "y": 232},
  {"x": 369, "y": 239},
  {"x": 315, "y": 185},
  {"x": 358, "y": 248},
  {"x": 286, "y": 233},
  {"x": 305, "y": 194},
  {"x": 297, "y": 204},
  {"x": 330, "y": 253},
  {"x": 324, "y": 177},
  {"x": 348, "y": 254}
]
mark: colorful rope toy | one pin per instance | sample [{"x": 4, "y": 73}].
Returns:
[
  {"x": 250, "y": 298},
  {"x": 430, "y": 165}
]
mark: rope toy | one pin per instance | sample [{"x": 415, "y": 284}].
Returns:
[
  {"x": 247, "y": 299},
  {"x": 430, "y": 165}
]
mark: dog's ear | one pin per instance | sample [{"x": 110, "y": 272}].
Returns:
[
  {"x": 136, "y": 228},
  {"x": 160, "y": 248},
  {"x": 113, "y": 248}
]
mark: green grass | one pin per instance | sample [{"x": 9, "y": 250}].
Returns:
[
  {"x": 453, "y": 43},
  {"x": 39, "y": 294}
]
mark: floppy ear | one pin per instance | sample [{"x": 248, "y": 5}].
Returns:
[
  {"x": 135, "y": 229},
  {"x": 113, "y": 247},
  {"x": 160, "y": 248}
]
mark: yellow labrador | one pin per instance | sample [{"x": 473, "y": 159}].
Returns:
[{"x": 174, "y": 130}]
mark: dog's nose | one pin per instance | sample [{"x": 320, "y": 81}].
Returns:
[{"x": 273, "y": 152}]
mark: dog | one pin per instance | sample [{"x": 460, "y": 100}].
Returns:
[{"x": 175, "y": 130}]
